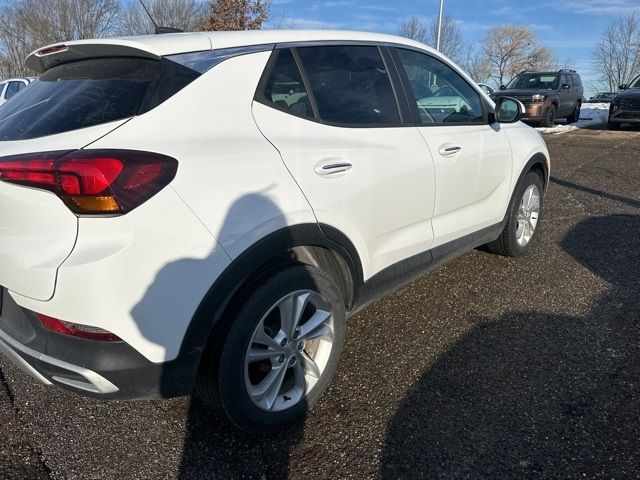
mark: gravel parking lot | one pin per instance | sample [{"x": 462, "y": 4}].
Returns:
[{"x": 489, "y": 367}]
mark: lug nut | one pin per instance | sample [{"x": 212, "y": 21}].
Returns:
[
  {"x": 300, "y": 346},
  {"x": 280, "y": 358},
  {"x": 296, "y": 334},
  {"x": 283, "y": 342},
  {"x": 292, "y": 361}
]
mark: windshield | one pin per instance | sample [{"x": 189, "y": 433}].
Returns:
[
  {"x": 90, "y": 92},
  {"x": 635, "y": 83},
  {"x": 534, "y": 81}
]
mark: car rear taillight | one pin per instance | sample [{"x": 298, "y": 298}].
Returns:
[
  {"x": 93, "y": 182},
  {"x": 76, "y": 330}
]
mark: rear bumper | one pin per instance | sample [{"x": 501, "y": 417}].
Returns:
[{"x": 108, "y": 370}]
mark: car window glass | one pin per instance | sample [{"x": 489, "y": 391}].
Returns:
[
  {"x": 12, "y": 89},
  {"x": 90, "y": 92},
  {"x": 350, "y": 85},
  {"x": 534, "y": 81},
  {"x": 284, "y": 88},
  {"x": 441, "y": 94}
]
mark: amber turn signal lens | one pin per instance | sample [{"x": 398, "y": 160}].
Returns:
[{"x": 90, "y": 205}]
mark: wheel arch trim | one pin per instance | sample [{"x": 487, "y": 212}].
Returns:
[
  {"x": 537, "y": 159},
  {"x": 301, "y": 243}
]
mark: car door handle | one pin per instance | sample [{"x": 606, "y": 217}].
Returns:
[
  {"x": 449, "y": 149},
  {"x": 332, "y": 168}
]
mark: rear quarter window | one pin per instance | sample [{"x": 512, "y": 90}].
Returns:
[
  {"x": 284, "y": 88},
  {"x": 90, "y": 92}
]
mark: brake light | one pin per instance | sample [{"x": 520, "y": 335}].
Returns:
[
  {"x": 51, "y": 50},
  {"x": 76, "y": 330},
  {"x": 93, "y": 181}
]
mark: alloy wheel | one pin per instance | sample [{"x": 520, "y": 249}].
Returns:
[
  {"x": 528, "y": 215},
  {"x": 289, "y": 350}
]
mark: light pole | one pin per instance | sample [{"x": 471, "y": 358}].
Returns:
[{"x": 439, "y": 25}]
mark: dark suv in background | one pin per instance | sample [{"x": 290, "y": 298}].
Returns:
[
  {"x": 625, "y": 106},
  {"x": 546, "y": 95}
]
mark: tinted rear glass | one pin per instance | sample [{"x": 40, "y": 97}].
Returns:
[{"x": 90, "y": 92}]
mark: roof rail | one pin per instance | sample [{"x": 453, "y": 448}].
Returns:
[{"x": 567, "y": 70}]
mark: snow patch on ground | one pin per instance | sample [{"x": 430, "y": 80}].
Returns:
[{"x": 590, "y": 114}]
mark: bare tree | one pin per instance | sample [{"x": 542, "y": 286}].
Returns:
[
  {"x": 450, "y": 40},
  {"x": 414, "y": 29},
  {"x": 237, "y": 14},
  {"x": 617, "y": 54},
  {"x": 186, "y": 15},
  {"x": 28, "y": 24},
  {"x": 513, "y": 48},
  {"x": 14, "y": 45},
  {"x": 477, "y": 64}
]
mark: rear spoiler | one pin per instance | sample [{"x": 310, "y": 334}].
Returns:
[{"x": 151, "y": 46}]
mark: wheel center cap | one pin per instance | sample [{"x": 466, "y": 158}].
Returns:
[{"x": 290, "y": 348}]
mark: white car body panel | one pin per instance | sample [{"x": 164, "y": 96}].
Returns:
[
  {"x": 38, "y": 231},
  {"x": 122, "y": 279},
  {"x": 525, "y": 143},
  {"x": 383, "y": 203},
  {"x": 473, "y": 185}
]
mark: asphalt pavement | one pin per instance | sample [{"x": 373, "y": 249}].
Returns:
[{"x": 489, "y": 367}]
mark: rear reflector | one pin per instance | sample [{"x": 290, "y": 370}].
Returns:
[
  {"x": 76, "y": 330},
  {"x": 93, "y": 181}
]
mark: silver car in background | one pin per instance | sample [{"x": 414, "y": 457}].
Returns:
[{"x": 9, "y": 87}]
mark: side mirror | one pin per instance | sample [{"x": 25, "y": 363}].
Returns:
[
  {"x": 508, "y": 110},
  {"x": 623, "y": 86},
  {"x": 565, "y": 86},
  {"x": 502, "y": 87}
]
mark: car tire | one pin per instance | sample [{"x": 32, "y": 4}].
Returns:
[
  {"x": 575, "y": 116},
  {"x": 233, "y": 381},
  {"x": 523, "y": 219},
  {"x": 550, "y": 117},
  {"x": 613, "y": 126}
]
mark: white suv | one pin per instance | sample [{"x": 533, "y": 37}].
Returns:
[
  {"x": 11, "y": 86},
  {"x": 204, "y": 210}
]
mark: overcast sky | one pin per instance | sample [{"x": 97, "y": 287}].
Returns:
[{"x": 570, "y": 27}]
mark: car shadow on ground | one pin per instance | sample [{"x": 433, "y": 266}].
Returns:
[{"x": 533, "y": 395}]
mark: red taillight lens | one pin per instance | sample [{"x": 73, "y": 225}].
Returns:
[
  {"x": 93, "y": 181},
  {"x": 76, "y": 330}
]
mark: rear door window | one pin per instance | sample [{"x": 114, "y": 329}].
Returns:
[
  {"x": 91, "y": 92},
  {"x": 350, "y": 85}
]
